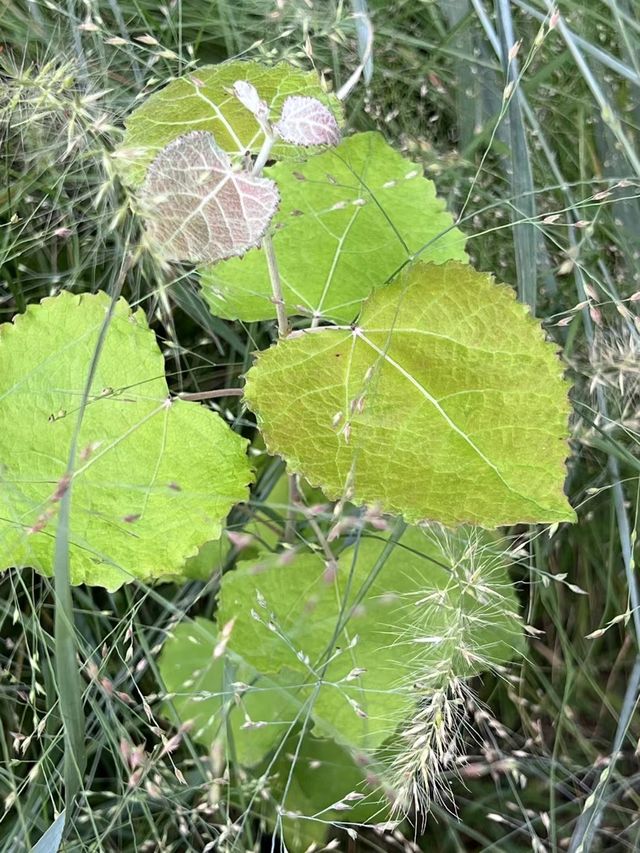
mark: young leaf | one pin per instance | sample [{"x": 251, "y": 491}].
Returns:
[
  {"x": 442, "y": 606},
  {"x": 199, "y": 208},
  {"x": 349, "y": 219},
  {"x": 204, "y": 100},
  {"x": 444, "y": 403},
  {"x": 155, "y": 478},
  {"x": 248, "y": 96},
  {"x": 306, "y": 121}
]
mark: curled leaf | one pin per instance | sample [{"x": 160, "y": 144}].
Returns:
[
  {"x": 306, "y": 121},
  {"x": 199, "y": 209},
  {"x": 248, "y": 96},
  {"x": 202, "y": 101}
]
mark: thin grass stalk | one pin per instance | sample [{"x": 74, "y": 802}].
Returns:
[{"x": 66, "y": 663}]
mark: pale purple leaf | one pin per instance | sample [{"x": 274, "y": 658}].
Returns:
[
  {"x": 248, "y": 96},
  {"x": 199, "y": 208},
  {"x": 306, "y": 121}
]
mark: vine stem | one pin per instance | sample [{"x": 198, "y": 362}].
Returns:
[
  {"x": 270, "y": 136},
  {"x": 276, "y": 286}
]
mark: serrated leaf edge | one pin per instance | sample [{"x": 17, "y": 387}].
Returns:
[
  {"x": 294, "y": 466},
  {"x": 125, "y": 311},
  {"x": 124, "y": 167}
]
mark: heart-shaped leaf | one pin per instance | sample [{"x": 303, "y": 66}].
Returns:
[
  {"x": 360, "y": 635},
  {"x": 306, "y": 121},
  {"x": 440, "y": 607},
  {"x": 199, "y": 208},
  {"x": 444, "y": 402},
  {"x": 154, "y": 478}
]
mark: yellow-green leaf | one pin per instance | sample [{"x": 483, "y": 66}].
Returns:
[
  {"x": 349, "y": 219},
  {"x": 361, "y": 636},
  {"x": 444, "y": 402},
  {"x": 154, "y": 478}
]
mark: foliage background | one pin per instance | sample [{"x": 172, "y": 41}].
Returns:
[{"x": 549, "y": 184}]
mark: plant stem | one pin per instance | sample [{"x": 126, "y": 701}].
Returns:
[
  {"x": 294, "y": 500},
  {"x": 281, "y": 312},
  {"x": 276, "y": 286},
  {"x": 263, "y": 154},
  {"x": 274, "y": 274},
  {"x": 210, "y": 395}
]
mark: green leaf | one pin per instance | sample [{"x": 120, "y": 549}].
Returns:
[
  {"x": 443, "y": 403},
  {"x": 442, "y": 606},
  {"x": 265, "y": 531},
  {"x": 209, "y": 559},
  {"x": 309, "y": 777},
  {"x": 223, "y": 697},
  {"x": 258, "y": 721},
  {"x": 204, "y": 100},
  {"x": 349, "y": 218},
  {"x": 155, "y": 478}
]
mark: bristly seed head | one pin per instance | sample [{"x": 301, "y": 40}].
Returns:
[{"x": 431, "y": 744}]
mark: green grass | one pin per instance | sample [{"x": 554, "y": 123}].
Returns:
[{"x": 546, "y": 179}]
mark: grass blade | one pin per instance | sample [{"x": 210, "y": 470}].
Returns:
[
  {"x": 52, "y": 838},
  {"x": 520, "y": 173}
]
